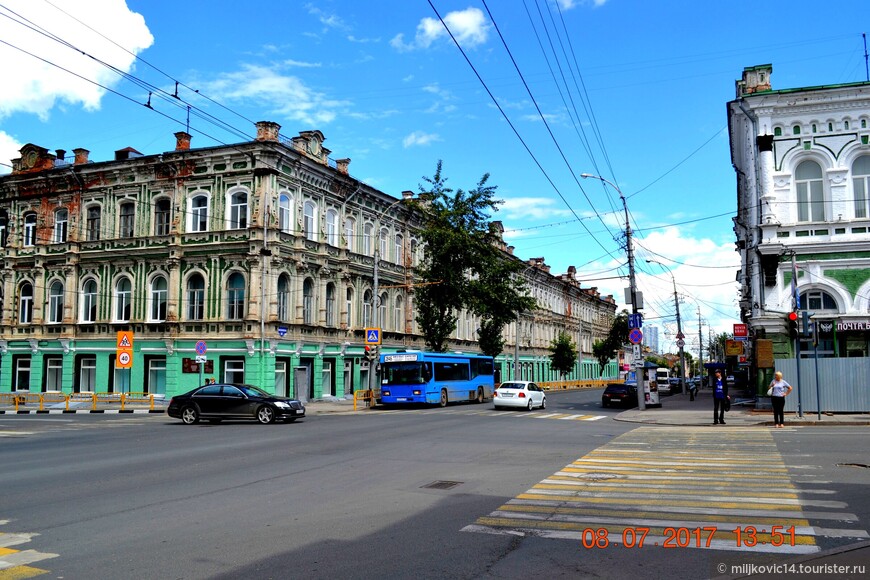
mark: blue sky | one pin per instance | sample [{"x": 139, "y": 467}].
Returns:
[{"x": 634, "y": 91}]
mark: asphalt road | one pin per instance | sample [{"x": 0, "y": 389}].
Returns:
[{"x": 377, "y": 494}]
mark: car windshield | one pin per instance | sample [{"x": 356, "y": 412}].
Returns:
[
  {"x": 252, "y": 391},
  {"x": 518, "y": 386},
  {"x": 406, "y": 373}
]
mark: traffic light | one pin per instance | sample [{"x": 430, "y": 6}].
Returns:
[
  {"x": 792, "y": 324},
  {"x": 370, "y": 352}
]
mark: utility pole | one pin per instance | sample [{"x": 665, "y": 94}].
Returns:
[
  {"x": 632, "y": 286},
  {"x": 700, "y": 346},
  {"x": 680, "y": 337}
]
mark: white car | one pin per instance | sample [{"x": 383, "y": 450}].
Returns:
[{"x": 523, "y": 394}]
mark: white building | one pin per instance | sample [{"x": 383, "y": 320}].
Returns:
[
  {"x": 651, "y": 338},
  {"x": 802, "y": 161}
]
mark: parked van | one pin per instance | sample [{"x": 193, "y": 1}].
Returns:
[{"x": 663, "y": 382}]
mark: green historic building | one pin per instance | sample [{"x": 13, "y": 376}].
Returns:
[{"x": 259, "y": 253}]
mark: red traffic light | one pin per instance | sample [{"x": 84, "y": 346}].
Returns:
[{"x": 793, "y": 316}]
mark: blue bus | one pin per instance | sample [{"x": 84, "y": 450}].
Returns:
[{"x": 435, "y": 378}]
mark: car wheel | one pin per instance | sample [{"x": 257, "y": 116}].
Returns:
[
  {"x": 443, "y": 401},
  {"x": 479, "y": 396},
  {"x": 265, "y": 414},
  {"x": 544, "y": 403},
  {"x": 189, "y": 415},
  {"x": 530, "y": 405}
]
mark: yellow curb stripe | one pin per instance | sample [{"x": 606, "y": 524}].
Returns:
[
  {"x": 702, "y": 492},
  {"x": 20, "y": 572},
  {"x": 665, "y": 502}
]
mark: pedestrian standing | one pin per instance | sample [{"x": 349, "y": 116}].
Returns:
[
  {"x": 720, "y": 398},
  {"x": 778, "y": 391}
]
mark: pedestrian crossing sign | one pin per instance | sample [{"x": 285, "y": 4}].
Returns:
[
  {"x": 125, "y": 340},
  {"x": 373, "y": 336}
]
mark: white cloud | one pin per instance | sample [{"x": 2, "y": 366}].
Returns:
[
  {"x": 419, "y": 138},
  {"x": 281, "y": 94},
  {"x": 9, "y": 148},
  {"x": 35, "y": 86},
  {"x": 524, "y": 208},
  {"x": 301, "y": 64},
  {"x": 468, "y": 26}
]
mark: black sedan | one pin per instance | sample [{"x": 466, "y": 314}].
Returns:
[
  {"x": 623, "y": 394},
  {"x": 224, "y": 401}
]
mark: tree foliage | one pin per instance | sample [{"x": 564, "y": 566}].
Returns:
[
  {"x": 563, "y": 353},
  {"x": 617, "y": 336},
  {"x": 463, "y": 268}
]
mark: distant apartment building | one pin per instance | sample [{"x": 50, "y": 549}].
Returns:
[{"x": 651, "y": 338}]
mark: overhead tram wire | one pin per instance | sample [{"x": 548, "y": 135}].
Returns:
[
  {"x": 541, "y": 115},
  {"x": 514, "y": 129}
]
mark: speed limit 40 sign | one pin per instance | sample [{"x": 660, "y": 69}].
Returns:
[{"x": 124, "y": 359}]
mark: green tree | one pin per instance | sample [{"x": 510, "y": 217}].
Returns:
[
  {"x": 617, "y": 336},
  {"x": 563, "y": 354},
  {"x": 463, "y": 267}
]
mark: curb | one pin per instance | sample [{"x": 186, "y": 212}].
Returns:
[{"x": 81, "y": 411}]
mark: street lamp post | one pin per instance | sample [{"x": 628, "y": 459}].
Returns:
[
  {"x": 632, "y": 285},
  {"x": 376, "y": 298},
  {"x": 680, "y": 337}
]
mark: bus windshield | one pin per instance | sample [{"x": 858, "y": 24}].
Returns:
[{"x": 406, "y": 373}]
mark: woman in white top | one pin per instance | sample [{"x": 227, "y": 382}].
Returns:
[{"x": 778, "y": 391}]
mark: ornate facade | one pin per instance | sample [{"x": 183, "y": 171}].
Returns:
[{"x": 261, "y": 252}]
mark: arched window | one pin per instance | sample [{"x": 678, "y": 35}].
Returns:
[
  {"x": 284, "y": 298},
  {"x": 861, "y": 185},
  {"x": 810, "y": 192},
  {"x": 777, "y": 132},
  {"x": 29, "y": 229},
  {"x": 332, "y": 227},
  {"x": 382, "y": 310},
  {"x": 308, "y": 301},
  {"x": 127, "y": 220},
  {"x": 61, "y": 223},
  {"x": 309, "y": 221},
  {"x": 123, "y": 300},
  {"x": 157, "y": 310},
  {"x": 55, "y": 302},
  {"x": 399, "y": 315},
  {"x": 796, "y": 130},
  {"x": 198, "y": 213},
  {"x": 238, "y": 211},
  {"x": 367, "y": 239},
  {"x": 162, "y": 217},
  {"x": 349, "y": 231},
  {"x": 4, "y": 228},
  {"x": 382, "y": 243},
  {"x": 25, "y": 303},
  {"x": 330, "y": 304},
  {"x": 818, "y": 300},
  {"x": 367, "y": 309},
  {"x": 348, "y": 305},
  {"x": 195, "y": 297},
  {"x": 94, "y": 223},
  {"x": 399, "y": 247},
  {"x": 235, "y": 296},
  {"x": 89, "y": 301},
  {"x": 285, "y": 217}
]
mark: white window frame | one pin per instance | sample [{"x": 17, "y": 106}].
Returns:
[
  {"x": 349, "y": 229},
  {"x": 88, "y": 314},
  {"x": 199, "y": 215},
  {"x": 55, "y": 302},
  {"x": 332, "y": 227},
  {"x": 309, "y": 220},
  {"x": 29, "y": 239},
  {"x": 156, "y": 297},
  {"x": 61, "y": 226},
  {"x": 25, "y": 304},
  {"x": 239, "y": 214},
  {"x": 123, "y": 300},
  {"x": 235, "y": 307},
  {"x": 195, "y": 298},
  {"x": 285, "y": 212}
]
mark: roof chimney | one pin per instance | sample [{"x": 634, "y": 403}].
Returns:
[
  {"x": 182, "y": 141},
  {"x": 267, "y": 131},
  {"x": 341, "y": 165},
  {"x": 81, "y": 156}
]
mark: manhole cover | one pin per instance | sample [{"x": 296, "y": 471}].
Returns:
[
  {"x": 864, "y": 465},
  {"x": 442, "y": 485}
]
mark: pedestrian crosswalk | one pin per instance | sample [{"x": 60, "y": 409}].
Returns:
[
  {"x": 16, "y": 563},
  {"x": 724, "y": 489},
  {"x": 506, "y": 414}
]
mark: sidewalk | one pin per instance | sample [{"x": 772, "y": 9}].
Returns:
[{"x": 679, "y": 410}]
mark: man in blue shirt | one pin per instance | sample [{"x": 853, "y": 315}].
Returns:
[{"x": 720, "y": 397}]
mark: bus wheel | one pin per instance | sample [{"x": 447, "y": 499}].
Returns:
[
  {"x": 443, "y": 401},
  {"x": 479, "y": 396}
]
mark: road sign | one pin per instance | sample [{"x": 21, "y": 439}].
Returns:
[
  {"x": 741, "y": 331},
  {"x": 373, "y": 336},
  {"x": 125, "y": 340},
  {"x": 282, "y": 331},
  {"x": 635, "y": 351},
  {"x": 201, "y": 348},
  {"x": 635, "y": 336},
  {"x": 635, "y": 320},
  {"x": 638, "y": 364},
  {"x": 681, "y": 343},
  {"x": 125, "y": 359},
  {"x": 681, "y": 336},
  {"x": 201, "y": 359}
]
